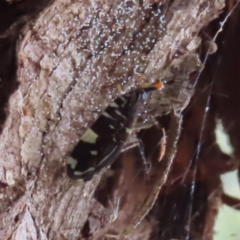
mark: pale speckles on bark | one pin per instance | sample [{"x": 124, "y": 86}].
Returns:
[{"x": 75, "y": 49}]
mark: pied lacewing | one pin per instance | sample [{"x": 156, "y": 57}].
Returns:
[{"x": 102, "y": 143}]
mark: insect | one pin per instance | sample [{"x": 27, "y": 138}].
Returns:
[{"x": 101, "y": 144}]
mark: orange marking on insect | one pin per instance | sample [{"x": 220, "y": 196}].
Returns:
[{"x": 158, "y": 85}]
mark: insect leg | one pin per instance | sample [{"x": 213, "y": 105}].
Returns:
[{"x": 147, "y": 164}]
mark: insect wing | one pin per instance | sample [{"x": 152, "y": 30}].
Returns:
[{"x": 101, "y": 144}]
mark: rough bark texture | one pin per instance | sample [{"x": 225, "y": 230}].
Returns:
[{"x": 68, "y": 65}]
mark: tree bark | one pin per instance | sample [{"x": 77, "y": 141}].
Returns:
[{"x": 69, "y": 63}]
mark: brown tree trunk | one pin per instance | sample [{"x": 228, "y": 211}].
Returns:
[{"x": 68, "y": 64}]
